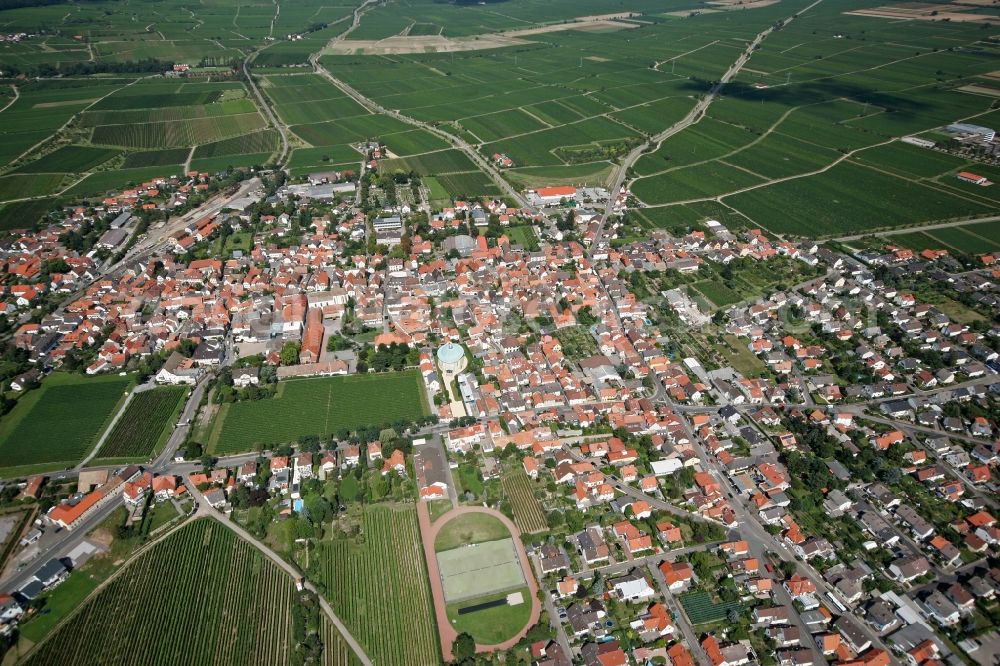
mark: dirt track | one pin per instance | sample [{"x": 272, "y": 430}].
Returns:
[
  {"x": 428, "y": 534},
  {"x": 408, "y": 44}
]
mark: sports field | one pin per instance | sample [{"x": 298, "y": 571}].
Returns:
[
  {"x": 318, "y": 407},
  {"x": 480, "y": 569},
  {"x": 58, "y": 423}
]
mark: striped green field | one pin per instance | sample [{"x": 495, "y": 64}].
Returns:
[
  {"x": 201, "y": 596},
  {"x": 318, "y": 407},
  {"x": 379, "y": 587}
]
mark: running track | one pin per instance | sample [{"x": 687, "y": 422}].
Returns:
[{"x": 428, "y": 534}]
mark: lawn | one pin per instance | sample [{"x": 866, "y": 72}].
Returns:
[
  {"x": 742, "y": 360},
  {"x": 438, "y": 508},
  {"x": 474, "y": 570},
  {"x": 144, "y": 426},
  {"x": 497, "y": 624},
  {"x": 524, "y": 236},
  {"x": 469, "y": 479},
  {"x": 469, "y": 528},
  {"x": 59, "y": 422},
  {"x": 59, "y": 602},
  {"x": 318, "y": 407}
]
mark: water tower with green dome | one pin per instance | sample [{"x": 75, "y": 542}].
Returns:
[{"x": 451, "y": 358}]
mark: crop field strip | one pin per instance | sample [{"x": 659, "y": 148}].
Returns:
[
  {"x": 319, "y": 406},
  {"x": 60, "y": 421},
  {"x": 528, "y": 515},
  {"x": 332, "y": 124},
  {"x": 122, "y": 115},
  {"x": 202, "y": 596},
  {"x": 551, "y": 103},
  {"x": 393, "y": 599},
  {"x": 144, "y": 423},
  {"x": 701, "y": 609},
  {"x": 825, "y": 97}
]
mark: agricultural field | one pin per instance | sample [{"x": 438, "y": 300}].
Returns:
[
  {"x": 69, "y": 159},
  {"x": 550, "y": 101},
  {"x": 595, "y": 174},
  {"x": 79, "y": 137},
  {"x": 850, "y": 199},
  {"x": 816, "y": 115},
  {"x": 106, "y": 181},
  {"x": 145, "y": 425},
  {"x": 24, "y": 214},
  {"x": 701, "y": 609},
  {"x": 319, "y": 406},
  {"x": 25, "y": 186},
  {"x": 202, "y": 561},
  {"x": 378, "y": 586},
  {"x": 329, "y": 126},
  {"x": 964, "y": 240},
  {"x": 717, "y": 292},
  {"x": 528, "y": 515},
  {"x": 57, "y": 424},
  {"x": 42, "y": 108},
  {"x": 523, "y": 235},
  {"x": 156, "y": 158}
]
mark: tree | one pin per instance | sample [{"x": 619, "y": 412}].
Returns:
[
  {"x": 193, "y": 450},
  {"x": 290, "y": 353},
  {"x": 463, "y": 648}
]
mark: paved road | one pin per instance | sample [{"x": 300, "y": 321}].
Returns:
[
  {"x": 618, "y": 568},
  {"x": 631, "y": 491},
  {"x": 687, "y": 631},
  {"x": 161, "y": 462},
  {"x": 554, "y": 622}
]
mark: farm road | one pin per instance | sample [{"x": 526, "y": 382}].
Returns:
[
  {"x": 920, "y": 227},
  {"x": 114, "y": 422},
  {"x": 693, "y": 116},
  {"x": 17, "y": 94},
  {"x": 374, "y": 107},
  {"x": 205, "y": 510}
]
